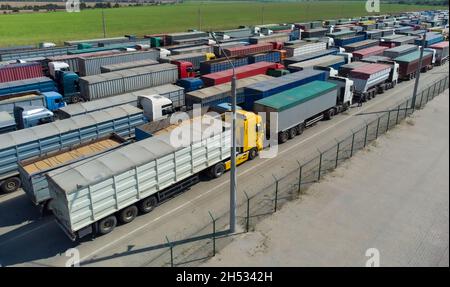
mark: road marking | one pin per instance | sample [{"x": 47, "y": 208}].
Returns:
[{"x": 240, "y": 174}]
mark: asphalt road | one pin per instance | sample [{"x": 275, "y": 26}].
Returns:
[{"x": 27, "y": 240}]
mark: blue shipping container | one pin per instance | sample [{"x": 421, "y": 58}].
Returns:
[
  {"x": 268, "y": 88},
  {"x": 430, "y": 39},
  {"x": 274, "y": 57},
  {"x": 210, "y": 67},
  {"x": 42, "y": 84},
  {"x": 346, "y": 41},
  {"x": 190, "y": 84}
]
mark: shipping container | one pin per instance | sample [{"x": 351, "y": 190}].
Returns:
[
  {"x": 128, "y": 65},
  {"x": 403, "y": 40},
  {"x": 367, "y": 52},
  {"x": 219, "y": 94},
  {"x": 153, "y": 166},
  {"x": 27, "y": 99},
  {"x": 172, "y": 92},
  {"x": 400, "y": 51},
  {"x": 268, "y": 88},
  {"x": 278, "y": 37},
  {"x": 273, "y": 57},
  {"x": 235, "y": 33},
  {"x": 441, "y": 52},
  {"x": 342, "y": 34},
  {"x": 343, "y": 41},
  {"x": 296, "y": 107},
  {"x": 317, "y": 32},
  {"x": 192, "y": 41},
  {"x": 248, "y": 50},
  {"x": 373, "y": 34},
  {"x": 40, "y": 140},
  {"x": 408, "y": 63},
  {"x": 430, "y": 39},
  {"x": 189, "y": 50},
  {"x": 376, "y": 59},
  {"x": 360, "y": 45},
  {"x": 91, "y": 65},
  {"x": 330, "y": 61},
  {"x": 304, "y": 48},
  {"x": 43, "y": 52},
  {"x": 20, "y": 71},
  {"x": 194, "y": 58},
  {"x": 222, "y": 64},
  {"x": 72, "y": 60},
  {"x": 310, "y": 56},
  {"x": 241, "y": 72},
  {"x": 184, "y": 35},
  {"x": 120, "y": 82},
  {"x": 32, "y": 171},
  {"x": 95, "y": 42},
  {"x": 7, "y": 123},
  {"x": 369, "y": 76},
  {"x": 218, "y": 51},
  {"x": 42, "y": 84},
  {"x": 345, "y": 70}
]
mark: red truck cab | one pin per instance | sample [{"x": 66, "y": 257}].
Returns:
[{"x": 185, "y": 69}]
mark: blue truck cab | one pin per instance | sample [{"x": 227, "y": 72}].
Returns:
[
  {"x": 68, "y": 85},
  {"x": 54, "y": 101},
  {"x": 190, "y": 84}
]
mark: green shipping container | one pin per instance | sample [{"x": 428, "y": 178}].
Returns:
[
  {"x": 293, "y": 97},
  {"x": 411, "y": 57}
]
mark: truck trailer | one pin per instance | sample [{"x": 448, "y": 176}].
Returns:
[
  {"x": 40, "y": 140},
  {"x": 408, "y": 64},
  {"x": 370, "y": 80},
  {"x": 91, "y": 196},
  {"x": 298, "y": 108}
]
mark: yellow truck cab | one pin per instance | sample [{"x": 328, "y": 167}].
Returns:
[{"x": 210, "y": 56}]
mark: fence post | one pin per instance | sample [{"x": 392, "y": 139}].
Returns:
[
  {"x": 421, "y": 98},
  {"x": 214, "y": 233},
  {"x": 337, "y": 154},
  {"x": 378, "y": 127},
  {"x": 353, "y": 144},
  {"x": 276, "y": 193},
  {"x": 320, "y": 165},
  {"x": 388, "y": 121},
  {"x": 365, "y": 134},
  {"x": 171, "y": 251},
  {"x": 398, "y": 113},
  {"x": 247, "y": 223},
  {"x": 300, "y": 170},
  {"x": 406, "y": 110},
  {"x": 432, "y": 95}
]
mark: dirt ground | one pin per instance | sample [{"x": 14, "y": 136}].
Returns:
[{"x": 393, "y": 197}]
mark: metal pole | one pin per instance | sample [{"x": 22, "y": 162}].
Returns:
[
  {"x": 233, "y": 176},
  {"x": 419, "y": 67},
  {"x": 103, "y": 21}
]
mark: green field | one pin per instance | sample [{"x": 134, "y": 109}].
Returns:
[{"x": 59, "y": 26}]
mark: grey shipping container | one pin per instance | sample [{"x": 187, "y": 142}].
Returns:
[
  {"x": 172, "y": 92},
  {"x": 128, "y": 65},
  {"x": 91, "y": 66},
  {"x": 40, "y": 140},
  {"x": 32, "y": 171},
  {"x": 146, "y": 168},
  {"x": 400, "y": 51},
  {"x": 184, "y": 35},
  {"x": 189, "y": 50},
  {"x": 222, "y": 93},
  {"x": 277, "y": 37},
  {"x": 7, "y": 104},
  {"x": 125, "y": 81},
  {"x": 235, "y": 33},
  {"x": 360, "y": 45}
]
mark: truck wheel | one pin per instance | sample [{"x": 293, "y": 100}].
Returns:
[
  {"x": 217, "y": 170},
  {"x": 107, "y": 224},
  {"x": 147, "y": 204},
  {"x": 329, "y": 114},
  {"x": 11, "y": 184},
  {"x": 300, "y": 129},
  {"x": 252, "y": 153},
  {"x": 292, "y": 132},
  {"x": 283, "y": 137},
  {"x": 128, "y": 214}
]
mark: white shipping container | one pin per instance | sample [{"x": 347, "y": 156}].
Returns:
[{"x": 297, "y": 50}]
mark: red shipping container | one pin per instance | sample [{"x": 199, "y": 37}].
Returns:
[
  {"x": 22, "y": 71},
  {"x": 241, "y": 73},
  {"x": 371, "y": 51},
  {"x": 440, "y": 45},
  {"x": 366, "y": 71},
  {"x": 387, "y": 44},
  {"x": 248, "y": 50}
]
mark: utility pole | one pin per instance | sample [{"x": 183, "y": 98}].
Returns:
[
  {"x": 416, "y": 84},
  {"x": 262, "y": 14},
  {"x": 233, "y": 173},
  {"x": 103, "y": 21},
  {"x": 199, "y": 13}
]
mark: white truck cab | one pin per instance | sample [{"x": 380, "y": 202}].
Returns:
[
  {"x": 345, "y": 96},
  {"x": 57, "y": 66},
  {"x": 433, "y": 61},
  {"x": 155, "y": 107},
  {"x": 163, "y": 53}
]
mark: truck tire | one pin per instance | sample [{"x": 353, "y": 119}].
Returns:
[
  {"x": 292, "y": 132},
  {"x": 283, "y": 137},
  {"x": 252, "y": 154},
  {"x": 328, "y": 115},
  {"x": 217, "y": 170},
  {"x": 11, "y": 184},
  {"x": 147, "y": 204},
  {"x": 128, "y": 214},
  {"x": 300, "y": 128},
  {"x": 107, "y": 224}
]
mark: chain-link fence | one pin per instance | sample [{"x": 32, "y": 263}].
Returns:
[{"x": 253, "y": 207}]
